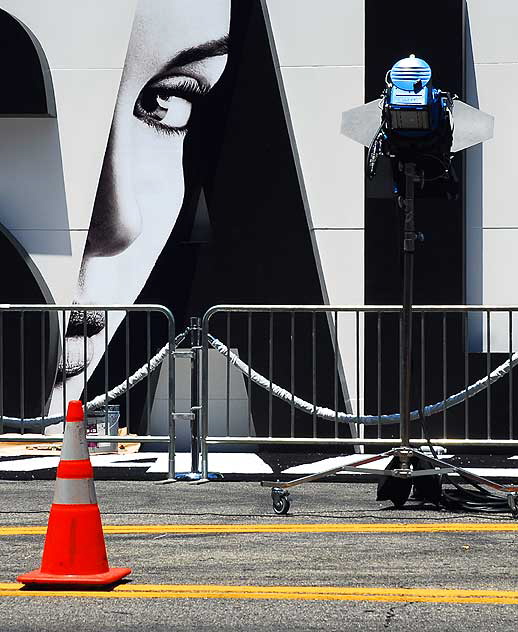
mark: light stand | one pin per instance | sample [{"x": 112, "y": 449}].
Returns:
[
  {"x": 408, "y": 466},
  {"x": 409, "y": 239},
  {"x": 412, "y": 118}
]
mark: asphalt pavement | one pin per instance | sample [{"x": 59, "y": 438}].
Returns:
[{"x": 338, "y": 561}]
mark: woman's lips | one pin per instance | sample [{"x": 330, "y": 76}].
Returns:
[
  {"x": 95, "y": 322},
  {"x": 77, "y": 355}
]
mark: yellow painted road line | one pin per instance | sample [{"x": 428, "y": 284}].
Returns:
[
  {"x": 445, "y": 527},
  {"x": 313, "y": 593}
]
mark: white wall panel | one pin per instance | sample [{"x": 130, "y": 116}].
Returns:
[
  {"x": 500, "y": 253},
  {"x": 492, "y": 220},
  {"x": 85, "y": 43},
  {"x": 32, "y": 193},
  {"x": 500, "y": 256},
  {"x": 332, "y": 165},
  {"x": 320, "y": 46},
  {"x": 85, "y": 100},
  {"x": 341, "y": 258},
  {"x": 57, "y": 254},
  {"x": 500, "y": 161},
  {"x": 322, "y": 33},
  {"x": 494, "y": 26},
  {"x": 78, "y": 33}
]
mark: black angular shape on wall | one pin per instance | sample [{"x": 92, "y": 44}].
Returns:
[
  {"x": 393, "y": 31},
  {"x": 24, "y": 71},
  {"x": 28, "y": 367},
  {"x": 259, "y": 250}
]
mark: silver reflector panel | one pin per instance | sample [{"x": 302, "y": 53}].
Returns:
[
  {"x": 362, "y": 123},
  {"x": 470, "y": 126}
]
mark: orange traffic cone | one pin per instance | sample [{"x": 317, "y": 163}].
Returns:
[{"x": 74, "y": 551}]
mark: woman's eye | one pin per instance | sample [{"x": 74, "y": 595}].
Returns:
[{"x": 167, "y": 112}]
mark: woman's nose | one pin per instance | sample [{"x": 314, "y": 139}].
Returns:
[{"x": 116, "y": 220}]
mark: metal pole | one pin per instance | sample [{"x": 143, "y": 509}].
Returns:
[
  {"x": 171, "y": 401},
  {"x": 171, "y": 447},
  {"x": 195, "y": 393},
  {"x": 408, "y": 280},
  {"x": 205, "y": 396}
]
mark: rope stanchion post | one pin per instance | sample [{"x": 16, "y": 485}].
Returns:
[
  {"x": 170, "y": 349},
  {"x": 205, "y": 398},
  {"x": 193, "y": 416},
  {"x": 195, "y": 394},
  {"x": 199, "y": 404}
]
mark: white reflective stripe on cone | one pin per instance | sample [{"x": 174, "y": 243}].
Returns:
[
  {"x": 74, "y": 491},
  {"x": 74, "y": 447}
]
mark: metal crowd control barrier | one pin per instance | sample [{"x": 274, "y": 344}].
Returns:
[
  {"x": 33, "y": 338},
  {"x": 460, "y": 352}
]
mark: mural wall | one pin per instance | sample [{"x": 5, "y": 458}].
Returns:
[
  {"x": 188, "y": 153},
  {"x": 197, "y": 197}
]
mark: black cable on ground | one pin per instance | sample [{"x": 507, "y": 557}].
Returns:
[{"x": 465, "y": 499}]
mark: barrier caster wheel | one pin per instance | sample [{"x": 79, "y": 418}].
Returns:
[{"x": 281, "y": 502}]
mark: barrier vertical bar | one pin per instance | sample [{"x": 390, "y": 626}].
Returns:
[
  {"x": 466, "y": 374},
  {"x": 22, "y": 371},
  {"x": 42, "y": 371},
  {"x": 401, "y": 381},
  {"x": 195, "y": 393},
  {"x": 85, "y": 361},
  {"x": 249, "y": 374},
  {"x": 1, "y": 372},
  {"x": 378, "y": 381},
  {"x": 488, "y": 369},
  {"x": 270, "y": 374},
  {"x": 64, "y": 362},
  {"x": 148, "y": 380},
  {"x": 171, "y": 399},
  {"x": 423, "y": 371},
  {"x": 444, "y": 378},
  {"x": 205, "y": 396},
  {"x": 510, "y": 375},
  {"x": 358, "y": 372},
  {"x": 127, "y": 365},
  {"x": 171, "y": 416},
  {"x": 314, "y": 370},
  {"x": 227, "y": 419},
  {"x": 106, "y": 374},
  {"x": 292, "y": 376},
  {"x": 335, "y": 377}
]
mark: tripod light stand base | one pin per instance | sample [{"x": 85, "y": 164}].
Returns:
[
  {"x": 407, "y": 468},
  {"x": 397, "y": 487}
]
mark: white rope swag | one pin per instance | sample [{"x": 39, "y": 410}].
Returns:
[
  {"x": 331, "y": 415},
  {"x": 105, "y": 398},
  {"x": 299, "y": 403}
]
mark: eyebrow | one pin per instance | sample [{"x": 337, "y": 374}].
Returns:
[{"x": 213, "y": 48}]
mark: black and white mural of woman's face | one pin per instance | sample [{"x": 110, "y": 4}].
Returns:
[{"x": 176, "y": 54}]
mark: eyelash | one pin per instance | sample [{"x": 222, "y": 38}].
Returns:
[{"x": 190, "y": 90}]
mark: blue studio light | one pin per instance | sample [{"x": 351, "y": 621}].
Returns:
[{"x": 411, "y": 102}]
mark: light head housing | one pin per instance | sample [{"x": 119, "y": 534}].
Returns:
[
  {"x": 415, "y": 122},
  {"x": 410, "y": 95}
]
